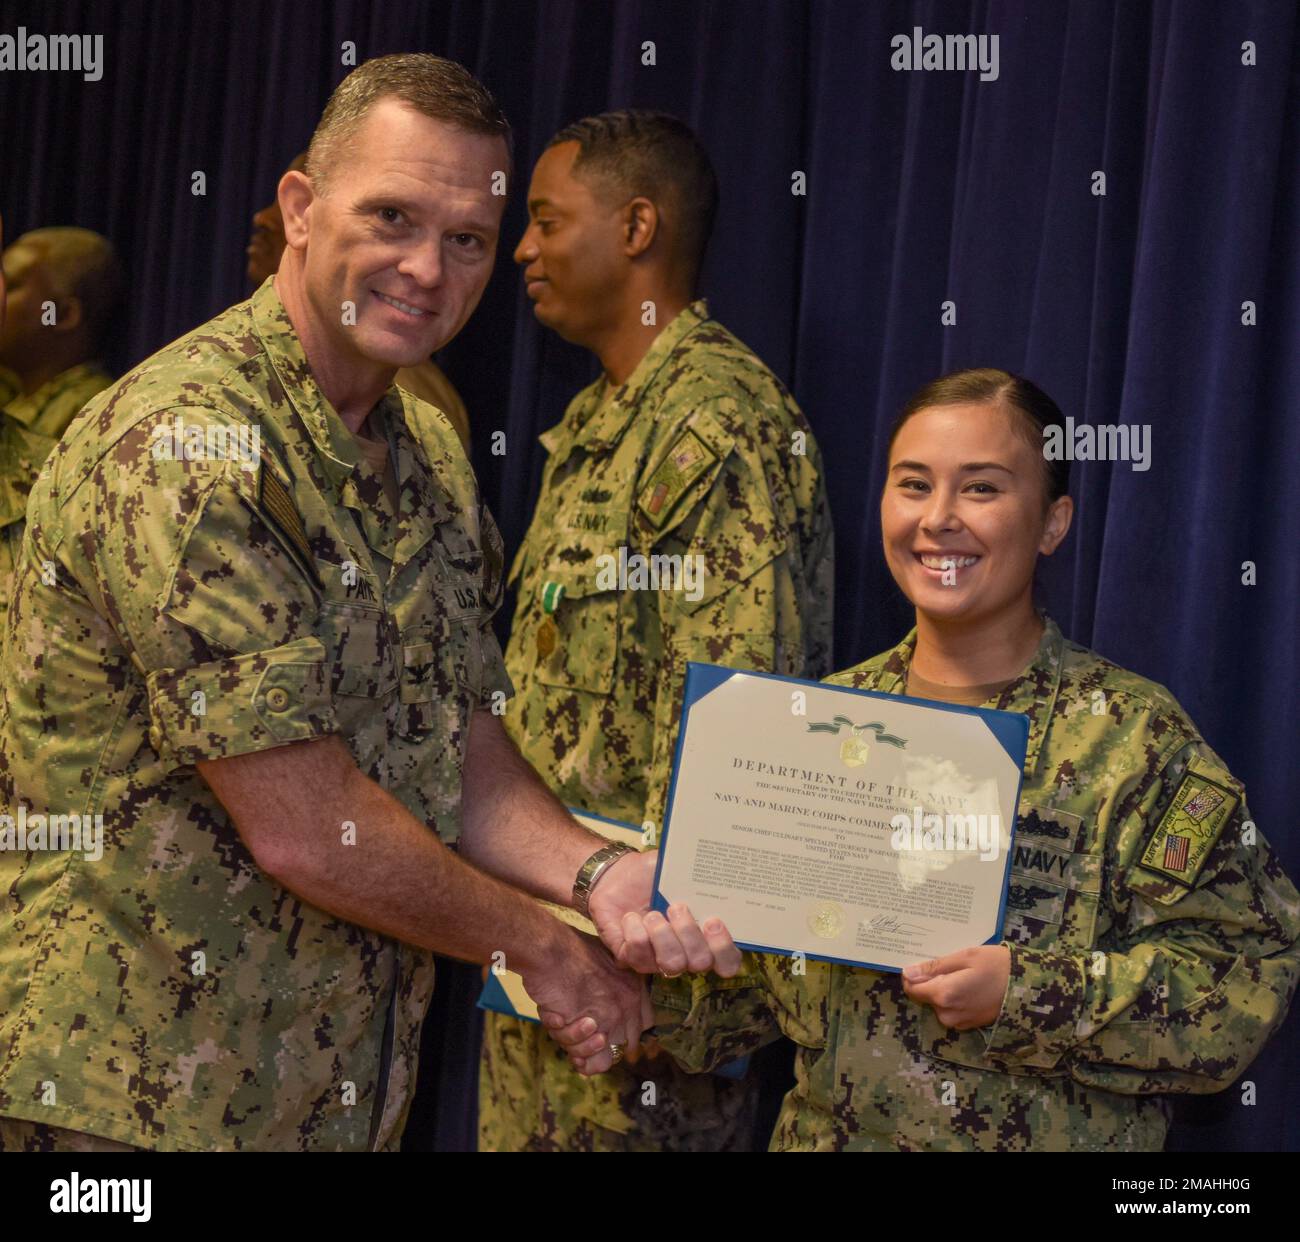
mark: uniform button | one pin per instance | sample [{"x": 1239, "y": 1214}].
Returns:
[
  {"x": 277, "y": 698},
  {"x": 155, "y": 738}
]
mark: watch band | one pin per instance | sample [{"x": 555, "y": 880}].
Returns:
[{"x": 592, "y": 870}]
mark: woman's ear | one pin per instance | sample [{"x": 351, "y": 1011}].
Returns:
[{"x": 1060, "y": 513}]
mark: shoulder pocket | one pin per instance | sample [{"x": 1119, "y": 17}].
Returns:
[
  {"x": 735, "y": 537},
  {"x": 1195, "y": 816},
  {"x": 688, "y": 468},
  {"x": 722, "y": 520}
]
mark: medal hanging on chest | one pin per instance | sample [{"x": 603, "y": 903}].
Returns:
[{"x": 548, "y": 635}]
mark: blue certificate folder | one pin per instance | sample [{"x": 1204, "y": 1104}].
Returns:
[
  {"x": 1009, "y": 729},
  {"x": 504, "y": 994}
]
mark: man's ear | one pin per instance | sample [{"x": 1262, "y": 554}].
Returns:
[
  {"x": 1060, "y": 514},
  {"x": 295, "y": 195},
  {"x": 640, "y": 226},
  {"x": 68, "y": 314}
]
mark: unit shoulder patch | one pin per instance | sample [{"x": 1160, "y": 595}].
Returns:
[
  {"x": 687, "y": 460},
  {"x": 1189, "y": 829}
]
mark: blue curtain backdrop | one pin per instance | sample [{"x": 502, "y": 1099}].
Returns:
[{"x": 922, "y": 188}]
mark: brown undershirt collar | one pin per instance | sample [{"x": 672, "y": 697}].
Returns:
[{"x": 966, "y": 696}]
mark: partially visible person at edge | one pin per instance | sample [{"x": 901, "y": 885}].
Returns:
[
  {"x": 64, "y": 287},
  {"x": 256, "y": 666},
  {"x": 1138, "y": 846},
  {"x": 425, "y": 379},
  {"x": 686, "y": 448}
]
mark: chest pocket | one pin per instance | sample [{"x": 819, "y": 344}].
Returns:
[
  {"x": 442, "y": 671},
  {"x": 574, "y": 646},
  {"x": 419, "y": 684},
  {"x": 1053, "y": 897},
  {"x": 362, "y": 660}
]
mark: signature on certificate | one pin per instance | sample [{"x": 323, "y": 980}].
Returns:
[{"x": 889, "y": 923}]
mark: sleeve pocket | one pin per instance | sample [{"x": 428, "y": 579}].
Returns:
[{"x": 240, "y": 705}]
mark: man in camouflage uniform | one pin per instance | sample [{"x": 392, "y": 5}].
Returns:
[
  {"x": 63, "y": 286},
  {"x": 687, "y": 449},
  {"x": 250, "y": 675},
  {"x": 1138, "y": 968}
]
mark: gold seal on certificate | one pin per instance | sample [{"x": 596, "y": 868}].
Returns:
[
  {"x": 843, "y": 824},
  {"x": 826, "y": 920}
]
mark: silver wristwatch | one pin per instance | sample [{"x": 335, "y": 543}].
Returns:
[{"x": 592, "y": 870}]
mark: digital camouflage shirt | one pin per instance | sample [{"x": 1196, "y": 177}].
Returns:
[
  {"x": 30, "y": 427},
  {"x": 681, "y": 517},
  {"x": 1152, "y": 934},
  {"x": 183, "y": 598}
]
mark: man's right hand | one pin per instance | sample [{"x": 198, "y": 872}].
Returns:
[{"x": 581, "y": 990}]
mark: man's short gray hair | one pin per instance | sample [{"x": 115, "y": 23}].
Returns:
[{"x": 432, "y": 85}]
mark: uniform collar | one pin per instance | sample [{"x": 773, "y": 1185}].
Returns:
[
  {"x": 598, "y": 427},
  {"x": 422, "y": 501},
  {"x": 328, "y": 432},
  {"x": 423, "y": 498},
  {"x": 1032, "y": 694},
  {"x": 25, "y": 408}
]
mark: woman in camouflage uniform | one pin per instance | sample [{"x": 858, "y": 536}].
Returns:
[{"x": 1149, "y": 940}]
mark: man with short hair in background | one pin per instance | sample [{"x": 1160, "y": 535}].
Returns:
[
  {"x": 686, "y": 448},
  {"x": 63, "y": 287}
]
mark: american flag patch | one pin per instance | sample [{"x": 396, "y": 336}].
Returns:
[
  {"x": 1176, "y": 850},
  {"x": 275, "y": 504}
]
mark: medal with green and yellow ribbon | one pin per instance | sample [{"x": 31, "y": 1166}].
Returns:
[{"x": 547, "y": 634}]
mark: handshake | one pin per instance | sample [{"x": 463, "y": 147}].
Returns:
[{"x": 593, "y": 1000}]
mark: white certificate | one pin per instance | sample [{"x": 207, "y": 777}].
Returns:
[{"x": 846, "y": 825}]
